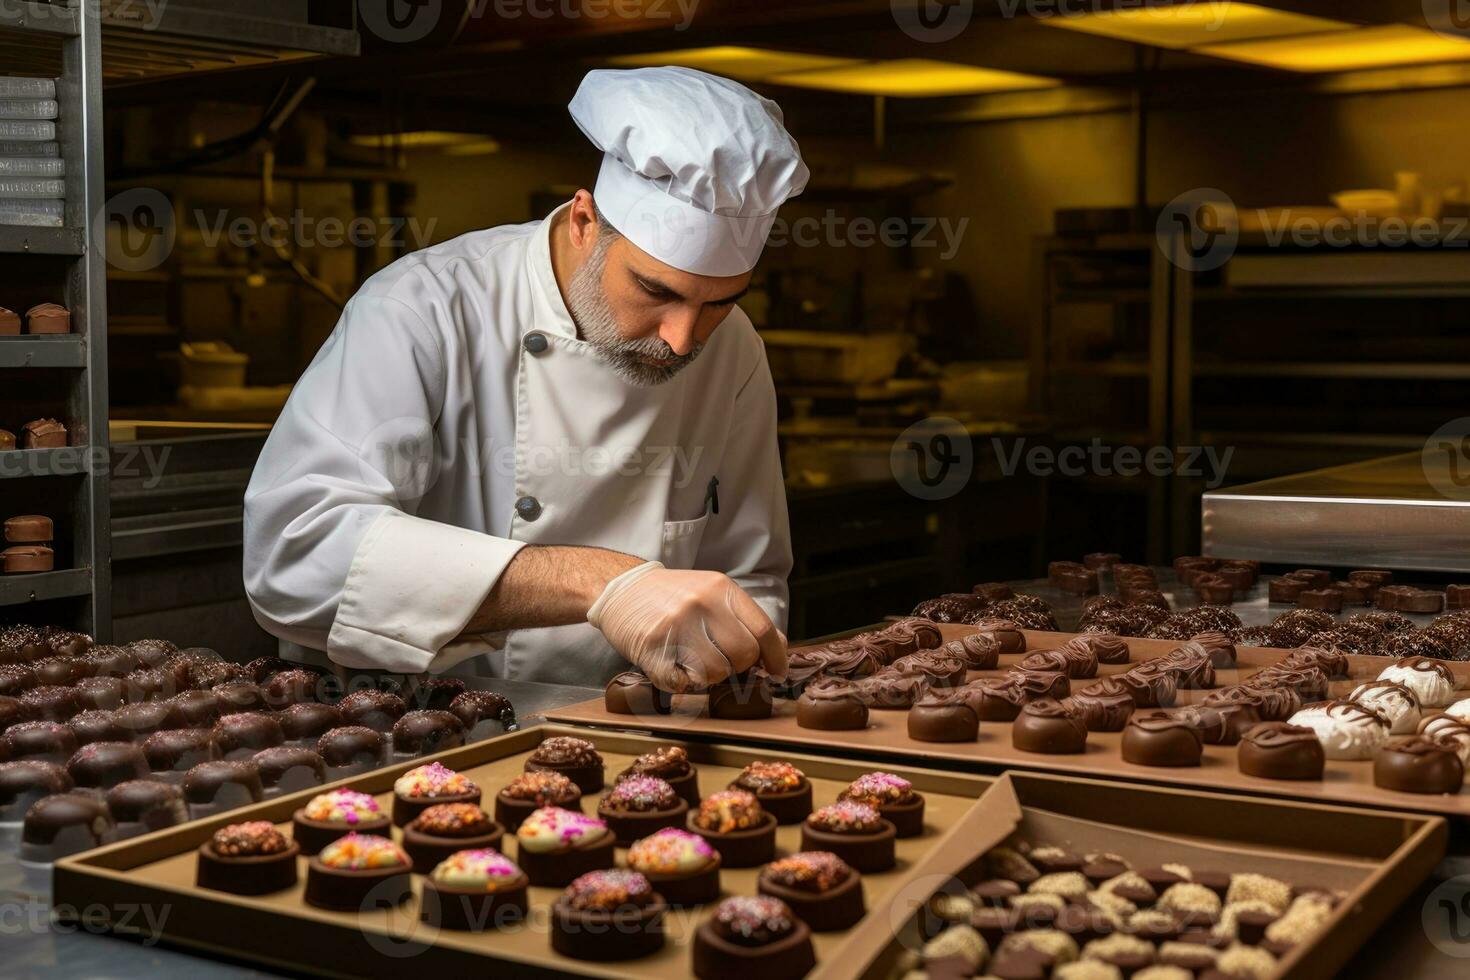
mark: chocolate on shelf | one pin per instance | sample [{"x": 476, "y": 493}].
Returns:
[
  {"x": 530, "y": 791},
  {"x": 1418, "y": 764},
  {"x": 474, "y": 890},
  {"x": 555, "y": 846},
  {"x": 1161, "y": 738},
  {"x": 753, "y": 936},
  {"x": 355, "y": 870},
  {"x": 733, "y": 822},
  {"x": 441, "y": 830},
  {"x": 821, "y": 889},
  {"x": 63, "y": 824},
  {"x": 575, "y": 758},
  {"x": 608, "y": 915},
  {"x": 893, "y": 797},
  {"x": 855, "y": 832},
  {"x": 331, "y": 815},
  {"x": 427, "y": 731},
  {"x": 781, "y": 789},
  {"x": 1047, "y": 726},
  {"x": 831, "y": 704},
  {"x": 681, "y": 866}
]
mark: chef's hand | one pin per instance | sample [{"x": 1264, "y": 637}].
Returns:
[{"x": 686, "y": 628}]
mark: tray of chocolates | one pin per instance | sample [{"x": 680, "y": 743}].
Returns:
[
  {"x": 550, "y": 851},
  {"x": 1076, "y": 878},
  {"x": 1202, "y": 711}
]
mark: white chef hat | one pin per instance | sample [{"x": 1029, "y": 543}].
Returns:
[{"x": 694, "y": 166}]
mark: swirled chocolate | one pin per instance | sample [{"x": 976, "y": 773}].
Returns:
[
  {"x": 1103, "y": 707},
  {"x": 1291, "y": 629},
  {"x": 1277, "y": 750},
  {"x": 1415, "y": 764},
  {"x": 1218, "y": 645},
  {"x": 1309, "y": 683},
  {"x": 1105, "y": 649},
  {"x": 995, "y": 698},
  {"x": 1003, "y": 631},
  {"x": 951, "y": 608},
  {"x": 1331, "y": 662},
  {"x": 1149, "y": 688},
  {"x": 978, "y": 651},
  {"x": 1044, "y": 660},
  {"x": 1026, "y": 611},
  {"x": 942, "y": 716},
  {"x": 565, "y": 751},
  {"x": 1415, "y": 643},
  {"x": 1192, "y": 665},
  {"x": 891, "y": 691},
  {"x": 937, "y": 667},
  {"x": 1278, "y": 703},
  {"x": 1043, "y": 683},
  {"x": 1047, "y": 726},
  {"x": 1161, "y": 738},
  {"x": 832, "y": 705}
]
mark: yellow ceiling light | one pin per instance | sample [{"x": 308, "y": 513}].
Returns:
[
  {"x": 747, "y": 64},
  {"x": 423, "y": 139},
  {"x": 913, "y": 78},
  {"x": 1189, "y": 25},
  {"x": 1369, "y": 47}
]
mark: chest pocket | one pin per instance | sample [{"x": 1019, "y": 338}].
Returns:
[{"x": 681, "y": 540}]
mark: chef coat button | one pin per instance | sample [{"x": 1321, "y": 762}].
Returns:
[
  {"x": 535, "y": 343},
  {"x": 529, "y": 507}
]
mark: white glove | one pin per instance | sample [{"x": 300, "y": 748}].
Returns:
[{"x": 686, "y": 628}]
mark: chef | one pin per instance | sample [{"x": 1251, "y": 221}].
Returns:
[{"x": 552, "y": 446}]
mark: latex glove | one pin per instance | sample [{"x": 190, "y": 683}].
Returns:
[{"x": 686, "y": 628}]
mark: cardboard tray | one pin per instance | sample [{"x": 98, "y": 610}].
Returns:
[
  {"x": 886, "y": 736},
  {"x": 1376, "y": 858},
  {"x": 156, "y": 873}
]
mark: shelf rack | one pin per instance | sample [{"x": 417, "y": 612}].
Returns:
[{"x": 79, "y": 357}]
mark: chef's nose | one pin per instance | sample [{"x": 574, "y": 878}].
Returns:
[{"x": 677, "y": 330}]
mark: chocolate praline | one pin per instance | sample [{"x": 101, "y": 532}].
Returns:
[
  {"x": 753, "y": 936},
  {"x": 430, "y": 785},
  {"x": 307, "y": 722},
  {"x": 435, "y": 693},
  {"x": 240, "y": 736},
  {"x": 942, "y": 717},
  {"x": 639, "y": 806},
  {"x": 888, "y": 691},
  {"x": 111, "y": 661},
  {"x": 179, "y": 749},
  {"x": 357, "y": 872},
  {"x": 1004, "y": 631},
  {"x": 98, "y": 726},
  {"x": 25, "y": 781},
  {"x": 733, "y": 822},
  {"x": 1103, "y": 707},
  {"x": 373, "y": 709},
  {"x": 477, "y": 708},
  {"x": 781, "y": 789},
  {"x": 608, "y": 915},
  {"x": 152, "y": 652},
  {"x": 741, "y": 697},
  {"x": 1161, "y": 738},
  {"x": 293, "y": 687},
  {"x": 820, "y": 888},
  {"x": 352, "y": 746},
  {"x": 59, "y": 671},
  {"x": 99, "y": 693},
  {"x": 441, "y": 830},
  {"x": 196, "y": 709},
  {"x": 262, "y": 669},
  {"x": 1107, "y": 649},
  {"x": 632, "y": 693},
  {"x": 49, "y": 741},
  {"x": 575, "y": 758},
  {"x": 239, "y": 696},
  {"x": 105, "y": 764},
  {"x": 1277, "y": 750},
  {"x": 140, "y": 806},
  {"x": 426, "y": 732},
  {"x": 893, "y": 797},
  {"x": 854, "y": 832},
  {"x": 671, "y": 764},
  {"x": 978, "y": 651},
  {"x": 996, "y": 698},
  {"x": 832, "y": 705},
  {"x": 151, "y": 684},
  {"x": 247, "y": 859},
  {"x": 530, "y": 791},
  {"x": 1046, "y": 726},
  {"x": 53, "y": 703},
  {"x": 289, "y": 769},
  {"x": 937, "y": 667},
  {"x": 64, "y": 824},
  {"x": 221, "y": 785},
  {"x": 16, "y": 679},
  {"x": 1052, "y": 684},
  {"x": 1416, "y": 764}
]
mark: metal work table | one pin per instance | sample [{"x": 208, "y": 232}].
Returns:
[{"x": 1410, "y": 511}]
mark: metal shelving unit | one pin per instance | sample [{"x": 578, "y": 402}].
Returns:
[{"x": 68, "y": 30}]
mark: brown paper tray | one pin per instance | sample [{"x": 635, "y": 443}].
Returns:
[
  {"x": 887, "y": 737},
  {"x": 1376, "y": 858},
  {"x": 156, "y": 872}
]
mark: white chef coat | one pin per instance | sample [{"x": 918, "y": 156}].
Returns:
[{"x": 452, "y": 417}]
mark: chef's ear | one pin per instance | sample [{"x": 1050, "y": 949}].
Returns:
[{"x": 582, "y": 225}]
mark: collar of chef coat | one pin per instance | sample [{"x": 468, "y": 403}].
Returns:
[{"x": 551, "y": 313}]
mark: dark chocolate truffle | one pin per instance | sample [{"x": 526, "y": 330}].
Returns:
[
  {"x": 373, "y": 709},
  {"x": 474, "y": 707},
  {"x": 435, "y": 693},
  {"x": 426, "y": 732},
  {"x": 239, "y": 696},
  {"x": 308, "y": 721},
  {"x": 98, "y": 726},
  {"x": 239, "y": 736},
  {"x": 1046, "y": 726},
  {"x": 941, "y": 716},
  {"x": 47, "y": 740},
  {"x": 1161, "y": 738},
  {"x": 179, "y": 749},
  {"x": 53, "y": 703},
  {"x": 223, "y": 784},
  {"x": 105, "y": 764},
  {"x": 289, "y": 768},
  {"x": 63, "y": 824},
  {"x": 1103, "y": 707},
  {"x": 197, "y": 709},
  {"x": 147, "y": 804},
  {"x": 100, "y": 693},
  {"x": 351, "y": 745},
  {"x": 831, "y": 705},
  {"x": 289, "y": 687},
  {"x": 1277, "y": 750}
]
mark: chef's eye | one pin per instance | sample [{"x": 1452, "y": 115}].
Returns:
[{"x": 656, "y": 291}]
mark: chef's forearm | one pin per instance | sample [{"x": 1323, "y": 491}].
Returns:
[{"x": 548, "y": 586}]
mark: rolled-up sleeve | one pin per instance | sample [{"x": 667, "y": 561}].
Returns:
[{"x": 335, "y": 558}]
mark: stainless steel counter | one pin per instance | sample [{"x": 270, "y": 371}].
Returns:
[
  {"x": 31, "y": 945},
  {"x": 1407, "y": 512}
]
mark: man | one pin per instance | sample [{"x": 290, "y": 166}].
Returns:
[{"x": 553, "y": 444}]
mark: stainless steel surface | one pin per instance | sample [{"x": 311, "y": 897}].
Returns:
[
  {"x": 34, "y": 946},
  {"x": 1410, "y": 511}
]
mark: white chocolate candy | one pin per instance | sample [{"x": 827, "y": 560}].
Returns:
[
  {"x": 1460, "y": 709},
  {"x": 1393, "y": 701},
  {"x": 1430, "y": 680},
  {"x": 1451, "y": 731},
  {"x": 1346, "y": 730}
]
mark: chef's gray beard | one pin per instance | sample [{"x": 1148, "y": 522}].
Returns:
[{"x": 598, "y": 324}]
